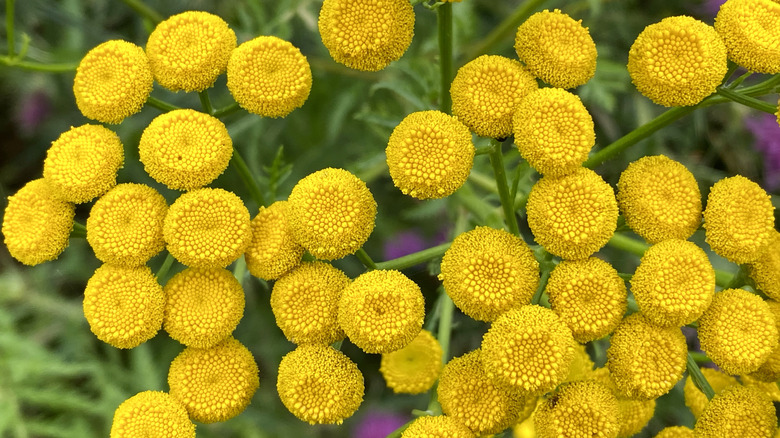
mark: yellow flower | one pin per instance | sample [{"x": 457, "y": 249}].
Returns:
[
  {"x": 124, "y": 306},
  {"x": 750, "y": 28},
  {"x": 659, "y": 199},
  {"x": 273, "y": 251},
  {"x": 633, "y": 414},
  {"x": 675, "y": 432},
  {"x": 268, "y": 76},
  {"x": 189, "y": 50},
  {"x": 589, "y": 296},
  {"x": 203, "y": 306},
  {"x": 319, "y": 385},
  {"x": 578, "y": 409},
  {"x": 364, "y": 34},
  {"x": 331, "y": 213},
  {"x": 152, "y": 414},
  {"x": 125, "y": 226},
  {"x": 486, "y": 272},
  {"x": 430, "y": 154},
  {"x": 36, "y": 223},
  {"x": 678, "y": 61},
  {"x": 737, "y": 412},
  {"x": 414, "y": 368},
  {"x": 695, "y": 399},
  {"x": 381, "y": 311},
  {"x": 765, "y": 270},
  {"x": 439, "y": 426},
  {"x": 214, "y": 384},
  {"x": 572, "y": 216},
  {"x": 486, "y": 92},
  {"x": 645, "y": 360},
  {"x": 770, "y": 389},
  {"x": 581, "y": 367},
  {"x": 738, "y": 331},
  {"x": 82, "y": 163},
  {"x": 207, "y": 228},
  {"x": 769, "y": 371},
  {"x": 305, "y": 303},
  {"x": 185, "y": 149},
  {"x": 553, "y": 131},
  {"x": 556, "y": 49},
  {"x": 113, "y": 81}
]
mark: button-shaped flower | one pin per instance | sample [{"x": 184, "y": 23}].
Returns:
[
  {"x": 414, "y": 368},
  {"x": 737, "y": 412},
  {"x": 152, "y": 413},
  {"x": 750, "y": 28},
  {"x": 273, "y": 250},
  {"x": 583, "y": 408}
]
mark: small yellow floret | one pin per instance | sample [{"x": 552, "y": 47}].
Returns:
[
  {"x": 769, "y": 371},
  {"x": 633, "y": 414},
  {"x": 414, "y": 368},
  {"x": 578, "y": 409},
  {"x": 439, "y": 426},
  {"x": 765, "y": 270},
  {"x": 675, "y": 432},
  {"x": 273, "y": 251},
  {"x": 695, "y": 399},
  {"x": 152, "y": 414},
  {"x": 737, "y": 412},
  {"x": 750, "y": 28}
]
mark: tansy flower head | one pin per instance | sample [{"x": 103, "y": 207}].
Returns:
[
  {"x": 364, "y": 34},
  {"x": 486, "y": 92},
  {"x": 553, "y": 131},
  {"x": 430, "y": 154},
  {"x": 269, "y": 76},
  {"x": 36, "y": 223},
  {"x": 589, "y": 296},
  {"x": 770, "y": 389},
  {"x": 633, "y": 414},
  {"x": 675, "y": 432},
  {"x": 214, "y": 384},
  {"x": 578, "y": 409},
  {"x": 189, "y": 50},
  {"x": 738, "y": 331},
  {"x": 581, "y": 367},
  {"x": 113, "y": 81},
  {"x": 735, "y": 413},
  {"x": 305, "y": 303},
  {"x": 125, "y": 226},
  {"x": 82, "y": 163},
  {"x": 486, "y": 272},
  {"x": 185, "y": 149},
  {"x": 207, "y": 228},
  {"x": 659, "y": 199},
  {"x": 273, "y": 250},
  {"x": 124, "y": 306},
  {"x": 572, "y": 216},
  {"x": 331, "y": 213},
  {"x": 750, "y": 28},
  {"x": 319, "y": 385},
  {"x": 203, "y": 306},
  {"x": 695, "y": 399},
  {"x": 556, "y": 49},
  {"x": 414, "y": 368},
  {"x": 152, "y": 414},
  {"x": 381, "y": 311},
  {"x": 678, "y": 61},
  {"x": 765, "y": 270},
  {"x": 439, "y": 426},
  {"x": 769, "y": 371}
]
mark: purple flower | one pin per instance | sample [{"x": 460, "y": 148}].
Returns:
[
  {"x": 766, "y": 132},
  {"x": 710, "y": 8},
  {"x": 404, "y": 243},
  {"x": 378, "y": 424},
  {"x": 34, "y": 109}
]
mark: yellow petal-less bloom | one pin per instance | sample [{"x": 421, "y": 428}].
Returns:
[
  {"x": 675, "y": 432},
  {"x": 633, "y": 414},
  {"x": 659, "y": 199},
  {"x": 556, "y": 49},
  {"x": 305, "y": 303},
  {"x": 152, "y": 414},
  {"x": 269, "y": 76},
  {"x": 429, "y": 154},
  {"x": 189, "y": 50},
  {"x": 331, "y": 213},
  {"x": 765, "y": 270},
  {"x": 486, "y": 92},
  {"x": 273, "y": 251},
  {"x": 678, "y": 61},
  {"x": 487, "y": 271},
  {"x": 581, "y": 367},
  {"x": 750, "y": 28},
  {"x": 578, "y": 409},
  {"x": 439, "y": 426},
  {"x": 185, "y": 149},
  {"x": 381, "y": 311},
  {"x": 737, "y": 412},
  {"x": 207, "y": 228},
  {"x": 572, "y": 216},
  {"x": 414, "y": 368},
  {"x": 366, "y": 35},
  {"x": 319, "y": 385},
  {"x": 738, "y": 331},
  {"x": 203, "y": 306},
  {"x": 695, "y": 398},
  {"x": 769, "y": 371},
  {"x": 125, "y": 226},
  {"x": 124, "y": 306},
  {"x": 113, "y": 81},
  {"x": 214, "y": 384},
  {"x": 36, "y": 223},
  {"x": 770, "y": 389}
]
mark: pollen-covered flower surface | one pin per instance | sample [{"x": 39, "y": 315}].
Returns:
[
  {"x": 749, "y": 29},
  {"x": 578, "y": 409},
  {"x": 765, "y": 270},
  {"x": 414, "y": 368},
  {"x": 737, "y": 412},
  {"x": 273, "y": 250},
  {"x": 769, "y": 371},
  {"x": 439, "y": 426},
  {"x": 152, "y": 414},
  {"x": 675, "y": 432},
  {"x": 695, "y": 398}
]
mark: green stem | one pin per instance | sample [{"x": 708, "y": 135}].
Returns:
[
  {"x": 230, "y": 109},
  {"x": 752, "y": 102},
  {"x": 542, "y": 285},
  {"x": 410, "y": 260},
  {"x": 206, "y": 102},
  {"x": 444, "y": 14},
  {"x": 739, "y": 80},
  {"x": 161, "y": 105},
  {"x": 78, "y": 231},
  {"x": 9, "y": 27},
  {"x": 37, "y": 66},
  {"x": 625, "y": 243},
  {"x": 144, "y": 10},
  {"x": 239, "y": 270},
  {"x": 483, "y": 150},
  {"x": 364, "y": 258},
  {"x": 497, "y": 160},
  {"x": 246, "y": 175},
  {"x": 445, "y": 325},
  {"x": 506, "y": 27},
  {"x": 698, "y": 378},
  {"x": 166, "y": 266}
]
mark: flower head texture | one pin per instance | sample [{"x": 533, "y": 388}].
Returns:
[
  {"x": 152, "y": 414},
  {"x": 366, "y": 35},
  {"x": 414, "y": 368},
  {"x": 572, "y": 216},
  {"x": 185, "y": 149},
  {"x": 430, "y": 154},
  {"x": 578, "y": 409},
  {"x": 659, "y": 199},
  {"x": 113, "y": 81},
  {"x": 125, "y": 226},
  {"x": 737, "y": 412},
  {"x": 750, "y": 28},
  {"x": 556, "y": 49},
  {"x": 331, "y": 213},
  {"x": 581, "y": 367},
  {"x": 214, "y": 384},
  {"x": 439, "y": 426},
  {"x": 770, "y": 389},
  {"x": 207, "y": 228},
  {"x": 269, "y": 76},
  {"x": 633, "y": 414},
  {"x": 381, "y": 311},
  {"x": 189, "y": 50},
  {"x": 487, "y": 272},
  {"x": 124, "y": 306},
  {"x": 695, "y": 398},
  {"x": 36, "y": 223},
  {"x": 273, "y": 251},
  {"x": 319, "y": 385},
  {"x": 765, "y": 270},
  {"x": 675, "y": 432}
]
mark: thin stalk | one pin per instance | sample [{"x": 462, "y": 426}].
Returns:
[
  {"x": 625, "y": 243},
  {"x": 698, "y": 378},
  {"x": 739, "y": 80},
  {"x": 78, "y": 231},
  {"x": 161, "y": 105},
  {"x": 542, "y": 285},
  {"x": 9, "y": 27},
  {"x": 418, "y": 257},
  {"x": 445, "y": 325},
  {"x": 364, "y": 258},
  {"x": 38, "y": 66},
  {"x": 246, "y": 175},
  {"x": 483, "y": 150},
  {"x": 166, "y": 266},
  {"x": 144, "y": 10},
  {"x": 230, "y": 109},
  {"x": 497, "y": 160},
  {"x": 206, "y": 102},
  {"x": 444, "y": 15},
  {"x": 752, "y": 102},
  {"x": 504, "y": 28}
]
